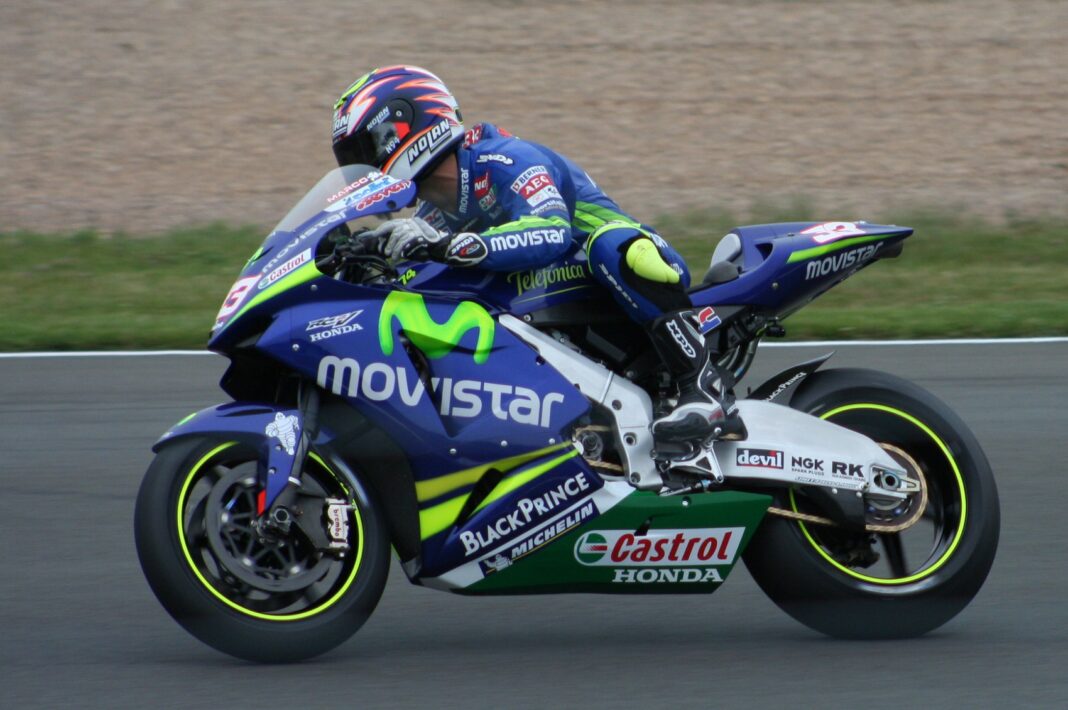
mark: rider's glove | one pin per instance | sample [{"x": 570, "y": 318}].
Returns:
[{"x": 413, "y": 238}]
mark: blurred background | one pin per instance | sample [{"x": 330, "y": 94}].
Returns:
[{"x": 142, "y": 116}]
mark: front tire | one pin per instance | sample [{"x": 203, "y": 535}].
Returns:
[
  {"x": 275, "y": 599},
  {"x": 864, "y": 585}
]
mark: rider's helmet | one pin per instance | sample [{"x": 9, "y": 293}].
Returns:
[{"x": 401, "y": 120}]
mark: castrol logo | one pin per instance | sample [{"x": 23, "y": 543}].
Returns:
[{"x": 692, "y": 547}]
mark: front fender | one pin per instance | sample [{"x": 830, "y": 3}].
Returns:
[{"x": 275, "y": 432}]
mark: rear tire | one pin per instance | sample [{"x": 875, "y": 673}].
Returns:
[
  {"x": 826, "y": 578},
  {"x": 278, "y": 601}
]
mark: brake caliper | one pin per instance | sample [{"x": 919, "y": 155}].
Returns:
[{"x": 337, "y": 517}]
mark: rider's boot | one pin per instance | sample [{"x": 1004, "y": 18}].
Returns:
[{"x": 705, "y": 409}]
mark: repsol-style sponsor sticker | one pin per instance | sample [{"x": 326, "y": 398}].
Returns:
[
  {"x": 539, "y": 538},
  {"x": 287, "y": 268},
  {"x": 527, "y": 511},
  {"x": 761, "y": 458},
  {"x": 690, "y": 547}
]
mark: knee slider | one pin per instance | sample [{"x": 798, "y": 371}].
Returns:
[{"x": 644, "y": 259}]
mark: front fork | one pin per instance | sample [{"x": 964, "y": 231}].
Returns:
[{"x": 288, "y": 439}]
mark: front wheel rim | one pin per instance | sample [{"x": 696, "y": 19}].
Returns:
[
  {"x": 948, "y": 514},
  {"x": 327, "y": 583}
]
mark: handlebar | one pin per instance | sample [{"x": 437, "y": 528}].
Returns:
[{"x": 356, "y": 258}]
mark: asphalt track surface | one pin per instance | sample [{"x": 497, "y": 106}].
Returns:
[{"x": 79, "y": 626}]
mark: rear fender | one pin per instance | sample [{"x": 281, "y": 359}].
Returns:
[
  {"x": 276, "y": 433},
  {"x": 774, "y": 387}
]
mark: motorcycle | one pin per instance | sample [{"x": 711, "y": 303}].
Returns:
[{"x": 493, "y": 429}]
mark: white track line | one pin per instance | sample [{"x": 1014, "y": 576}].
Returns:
[{"x": 764, "y": 344}]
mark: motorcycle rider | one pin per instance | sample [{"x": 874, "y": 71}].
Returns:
[{"x": 482, "y": 182}]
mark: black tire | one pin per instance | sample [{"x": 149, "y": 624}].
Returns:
[
  {"x": 815, "y": 573},
  {"x": 291, "y": 602}
]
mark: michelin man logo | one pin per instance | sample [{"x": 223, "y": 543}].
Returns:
[
  {"x": 498, "y": 563},
  {"x": 284, "y": 429}
]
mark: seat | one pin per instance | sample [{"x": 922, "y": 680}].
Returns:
[{"x": 724, "y": 266}]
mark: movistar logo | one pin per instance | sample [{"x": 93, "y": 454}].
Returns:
[{"x": 434, "y": 339}]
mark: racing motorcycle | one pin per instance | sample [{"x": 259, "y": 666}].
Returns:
[{"x": 493, "y": 429}]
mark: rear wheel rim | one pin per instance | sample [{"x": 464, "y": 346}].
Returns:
[
  {"x": 289, "y": 581},
  {"x": 905, "y": 557}
]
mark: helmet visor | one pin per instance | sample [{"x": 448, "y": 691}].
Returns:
[{"x": 375, "y": 141}]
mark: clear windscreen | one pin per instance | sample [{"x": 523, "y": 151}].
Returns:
[{"x": 331, "y": 192}]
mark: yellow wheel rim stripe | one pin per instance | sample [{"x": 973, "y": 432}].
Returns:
[
  {"x": 229, "y": 602},
  {"x": 960, "y": 487}
]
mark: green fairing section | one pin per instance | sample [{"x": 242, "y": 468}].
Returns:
[
  {"x": 836, "y": 246},
  {"x": 254, "y": 257},
  {"x": 554, "y": 567},
  {"x": 435, "y": 340}
]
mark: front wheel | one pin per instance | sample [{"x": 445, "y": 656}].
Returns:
[
  {"x": 918, "y": 563},
  {"x": 254, "y": 592}
]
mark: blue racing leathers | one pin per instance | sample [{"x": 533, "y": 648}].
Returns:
[{"x": 531, "y": 206}]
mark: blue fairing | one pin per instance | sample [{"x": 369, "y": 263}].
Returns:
[
  {"x": 262, "y": 426},
  {"x": 566, "y": 280},
  {"x": 484, "y": 422},
  {"x": 783, "y": 266}
]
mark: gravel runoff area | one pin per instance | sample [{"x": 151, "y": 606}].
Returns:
[{"x": 147, "y": 114}]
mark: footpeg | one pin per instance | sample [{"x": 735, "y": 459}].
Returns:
[{"x": 703, "y": 464}]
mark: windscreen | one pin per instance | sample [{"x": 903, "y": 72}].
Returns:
[{"x": 332, "y": 190}]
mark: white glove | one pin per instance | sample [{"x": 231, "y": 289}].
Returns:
[
  {"x": 410, "y": 238},
  {"x": 413, "y": 238}
]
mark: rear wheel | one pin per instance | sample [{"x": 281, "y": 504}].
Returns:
[
  {"x": 259, "y": 593},
  {"x": 919, "y": 562}
]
